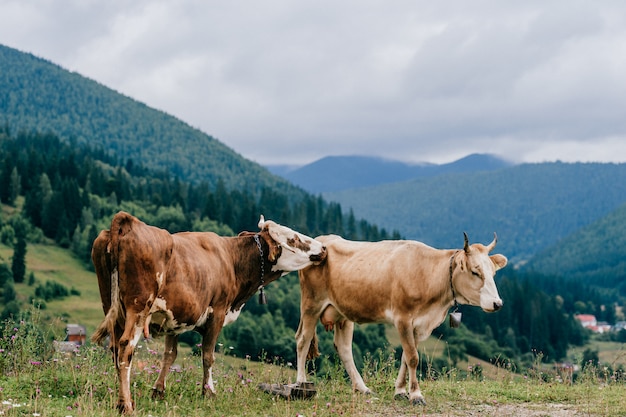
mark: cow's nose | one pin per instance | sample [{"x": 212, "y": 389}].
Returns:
[{"x": 497, "y": 305}]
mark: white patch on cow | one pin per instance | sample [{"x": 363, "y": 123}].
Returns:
[
  {"x": 204, "y": 316},
  {"x": 231, "y": 316},
  {"x": 389, "y": 316},
  {"x": 209, "y": 383},
  {"x": 292, "y": 258},
  {"x": 136, "y": 336},
  {"x": 160, "y": 279},
  {"x": 164, "y": 318},
  {"x": 489, "y": 295}
]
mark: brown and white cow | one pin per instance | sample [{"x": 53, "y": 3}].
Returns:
[
  {"x": 154, "y": 281},
  {"x": 405, "y": 283}
]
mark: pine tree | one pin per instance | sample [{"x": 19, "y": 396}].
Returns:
[
  {"x": 14, "y": 186},
  {"x": 18, "y": 263}
]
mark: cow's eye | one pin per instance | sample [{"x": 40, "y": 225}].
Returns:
[{"x": 476, "y": 274}]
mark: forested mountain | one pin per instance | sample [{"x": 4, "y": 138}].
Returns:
[
  {"x": 594, "y": 255},
  {"x": 73, "y": 152},
  {"x": 529, "y": 206},
  {"x": 336, "y": 173},
  {"x": 65, "y": 194},
  {"x": 40, "y": 96}
]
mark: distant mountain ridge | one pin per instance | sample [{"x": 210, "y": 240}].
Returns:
[
  {"x": 337, "y": 173},
  {"x": 530, "y": 206}
]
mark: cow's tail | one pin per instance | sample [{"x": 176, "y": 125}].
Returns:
[
  {"x": 120, "y": 225},
  {"x": 106, "y": 327}
]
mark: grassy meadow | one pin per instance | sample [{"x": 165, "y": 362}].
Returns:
[{"x": 37, "y": 381}]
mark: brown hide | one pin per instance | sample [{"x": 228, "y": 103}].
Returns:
[{"x": 152, "y": 281}]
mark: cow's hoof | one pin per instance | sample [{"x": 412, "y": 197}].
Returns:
[
  {"x": 158, "y": 394},
  {"x": 418, "y": 401},
  {"x": 401, "y": 396},
  {"x": 209, "y": 393},
  {"x": 125, "y": 408}
]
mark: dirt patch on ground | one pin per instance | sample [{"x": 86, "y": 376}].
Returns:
[
  {"x": 484, "y": 410},
  {"x": 518, "y": 410}
]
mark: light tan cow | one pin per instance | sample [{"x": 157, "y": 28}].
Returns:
[
  {"x": 152, "y": 281},
  {"x": 405, "y": 283}
]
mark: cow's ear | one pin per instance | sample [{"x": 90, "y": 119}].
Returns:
[
  {"x": 499, "y": 261},
  {"x": 275, "y": 251},
  {"x": 274, "y": 247}
]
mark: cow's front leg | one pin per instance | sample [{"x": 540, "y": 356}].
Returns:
[
  {"x": 343, "y": 344},
  {"x": 209, "y": 339},
  {"x": 169, "y": 356},
  {"x": 410, "y": 359}
]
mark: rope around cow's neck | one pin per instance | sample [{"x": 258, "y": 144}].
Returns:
[
  {"x": 456, "y": 305},
  {"x": 262, "y": 299},
  {"x": 455, "y": 316}
]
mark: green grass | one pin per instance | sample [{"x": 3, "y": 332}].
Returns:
[
  {"x": 50, "y": 262},
  {"x": 37, "y": 381}
]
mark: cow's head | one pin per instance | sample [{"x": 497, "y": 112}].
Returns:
[
  {"x": 291, "y": 250},
  {"x": 473, "y": 275}
]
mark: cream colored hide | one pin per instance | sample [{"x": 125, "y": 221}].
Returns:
[{"x": 405, "y": 283}]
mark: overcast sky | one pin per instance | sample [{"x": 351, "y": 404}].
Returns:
[{"x": 288, "y": 82}]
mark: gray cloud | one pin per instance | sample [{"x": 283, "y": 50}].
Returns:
[{"x": 290, "y": 82}]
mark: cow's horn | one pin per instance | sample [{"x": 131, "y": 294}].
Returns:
[
  {"x": 466, "y": 244},
  {"x": 493, "y": 244},
  {"x": 261, "y": 222}
]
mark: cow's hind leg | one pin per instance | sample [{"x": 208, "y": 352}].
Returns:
[
  {"x": 124, "y": 360},
  {"x": 169, "y": 356},
  {"x": 400, "y": 391},
  {"x": 343, "y": 344}
]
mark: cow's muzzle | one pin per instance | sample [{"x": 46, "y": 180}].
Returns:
[
  {"x": 497, "y": 305},
  {"x": 319, "y": 257}
]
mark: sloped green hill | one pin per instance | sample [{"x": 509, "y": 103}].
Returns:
[
  {"x": 52, "y": 263},
  {"x": 36, "y": 94},
  {"x": 595, "y": 254},
  {"x": 530, "y": 206}
]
